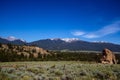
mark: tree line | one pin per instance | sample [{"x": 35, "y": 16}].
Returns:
[{"x": 8, "y": 55}]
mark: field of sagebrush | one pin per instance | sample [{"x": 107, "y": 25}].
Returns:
[{"x": 58, "y": 70}]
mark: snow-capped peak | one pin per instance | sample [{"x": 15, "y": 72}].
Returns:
[
  {"x": 66, "y": 39},
  {"x": 69, "y": 39},
  {"x": 11, "y": 38}
]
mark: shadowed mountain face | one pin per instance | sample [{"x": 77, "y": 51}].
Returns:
[
  {"x": 16, "y": 42},
  {"x": 4, "y": 40},
  {"x": 74, "y": 45},
  {"x": 59, "y": 44}
]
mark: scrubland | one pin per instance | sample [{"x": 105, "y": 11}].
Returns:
[{"x": 58, "y": 70}]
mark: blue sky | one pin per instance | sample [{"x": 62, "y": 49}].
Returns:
[{"x": 89, "y": 20}]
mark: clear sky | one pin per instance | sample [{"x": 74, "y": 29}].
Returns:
[{"x": 89, "y": 20}]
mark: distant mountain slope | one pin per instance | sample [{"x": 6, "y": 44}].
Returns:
[
  {"x": 59, "y": 44},
  {"x": 2, "y": 40},
  {"x": 16, "y": 41},
  {"x": 65, "y": 44}
]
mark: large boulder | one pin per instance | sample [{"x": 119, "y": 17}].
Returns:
[{"x": 108, "y": 57}]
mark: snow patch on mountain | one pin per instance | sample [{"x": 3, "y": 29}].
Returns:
[
  {"x": 22, "y": 40},
  {"x": 100, "y": 42},
  {"x": 66, "y": 39},
  {"x": 12, "y": 38},
  {"x": 70, "y": 39}
]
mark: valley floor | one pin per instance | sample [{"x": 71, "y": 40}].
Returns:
[{"x": 58, "y": 70}]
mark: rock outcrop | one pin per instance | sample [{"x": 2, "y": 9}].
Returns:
[
  {"x": 26, "y": 51},
  {"x": 108, "y": 57}
]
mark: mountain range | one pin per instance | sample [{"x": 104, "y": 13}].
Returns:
[
  {"x": 12, "y": 40},
  {"x": 73, "y": 44}
]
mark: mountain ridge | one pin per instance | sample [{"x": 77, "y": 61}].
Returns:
[
  {"x": 72, "y": 44},
  {"x": 15, "y": 41}
]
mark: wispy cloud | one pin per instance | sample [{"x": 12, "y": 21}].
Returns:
[
  {"x": 106, "y": 30},
  {"x": 78, "y": 33},
  {"x": 91, "y": 35}
]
